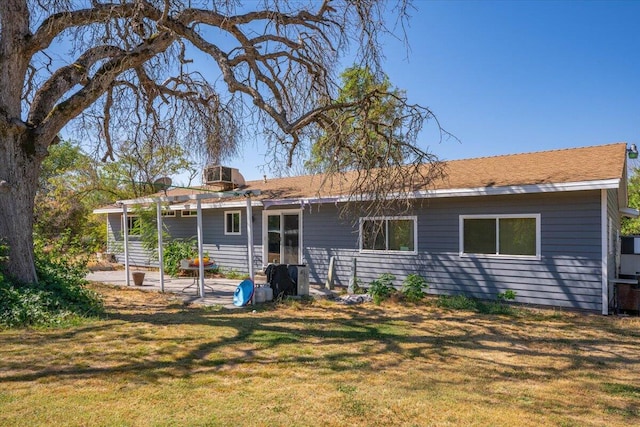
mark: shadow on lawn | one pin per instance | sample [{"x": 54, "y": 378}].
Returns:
[{"x": 362, "y": 338}]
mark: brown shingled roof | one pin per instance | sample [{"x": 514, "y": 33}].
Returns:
[
  {"x": 572, "y": 165},
  {"x": 596, "y": 163}
]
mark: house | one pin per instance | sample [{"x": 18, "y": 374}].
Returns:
[{"x": 543, "y": 224}]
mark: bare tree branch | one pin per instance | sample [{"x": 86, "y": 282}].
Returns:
[
  {"x": 68, "y": 109},
  {"x": 130, "y": 77}
]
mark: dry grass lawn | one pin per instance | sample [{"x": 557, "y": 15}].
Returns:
[{"x": 154, "y": 361}]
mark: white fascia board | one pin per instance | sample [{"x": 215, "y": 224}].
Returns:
[
  {"x": 453, "y": 192},
  {"x": 190, "y": 197},
  {"x": 520, "y": 189},
  {"x": 301, "y": 202},
  {"x": 217, "y": 205},
  {"x": 466, "y": 192},
  {"x": 107, "y": 210},
  {"x": 185, "y": 198},
  {"x": 188, "y": 207}
]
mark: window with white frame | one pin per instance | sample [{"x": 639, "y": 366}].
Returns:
[
  {"x": 133, "y": 225},
  {"x": 389, "y": 234},
  {"x": 500, "y": 235},
  {"x": 168, "y": 214},
  {"x": 232, "y": 222},
  {"x": 189, "y": 213}
]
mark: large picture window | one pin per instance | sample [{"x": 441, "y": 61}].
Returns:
[
  {"x": 388, "y": 234},
  {"x": 232, "y": 222},
  {"x": 500, "y": 235}
]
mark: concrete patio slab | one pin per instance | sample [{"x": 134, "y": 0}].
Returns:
[{"x": 217, "y": 292}]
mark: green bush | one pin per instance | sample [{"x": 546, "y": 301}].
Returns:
[
  {"x": 412, "y": 287},
  {"x": 176, "y": 250},
  {"x": 381, "y": 288},
  {"x": 508, "y": 295},
  {"x": 60, "y": 297}
]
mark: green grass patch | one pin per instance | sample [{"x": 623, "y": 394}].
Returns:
[
  {"x": 152, "y": 362},
  {"x": 463, "y": 302},
  {"x": 625, "y": 390}
]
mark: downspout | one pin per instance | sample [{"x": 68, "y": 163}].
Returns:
[{"x": 604, "y": 244}]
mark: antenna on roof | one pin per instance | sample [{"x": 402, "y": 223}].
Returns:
[{"x": 162, "y": 184}]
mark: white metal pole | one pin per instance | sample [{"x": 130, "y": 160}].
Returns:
[
  {"x": 160, "y": 250},
  {"x": 125, "y": 227},
  {"x": 250, "y": 237},
  {"x": 200, "y": 260}
]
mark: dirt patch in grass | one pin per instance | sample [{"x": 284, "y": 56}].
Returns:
[{"x": 154, "y": 361}]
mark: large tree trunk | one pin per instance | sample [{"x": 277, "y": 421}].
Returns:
[
  {"x": 20, "y": 156},
  {"x": 19, "y": 168}
]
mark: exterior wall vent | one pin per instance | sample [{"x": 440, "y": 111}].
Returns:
[{"x": 223, "y": 178}]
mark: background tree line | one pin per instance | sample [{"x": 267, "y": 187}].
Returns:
[{"x": 73, "y": 183}]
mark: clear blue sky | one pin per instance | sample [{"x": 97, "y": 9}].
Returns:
[{"x": 507, "y": 77}]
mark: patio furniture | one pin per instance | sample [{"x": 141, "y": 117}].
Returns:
[{"x": 186, "y": 265}]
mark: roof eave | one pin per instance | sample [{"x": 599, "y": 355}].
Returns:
[
  {"x": 438, "y": 193},
  {"x": 522, "y": 189},
  {"x": 461, "y": 192}
]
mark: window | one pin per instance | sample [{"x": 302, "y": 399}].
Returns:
[
  {"x": 389, "y": 234},
  {"x": 232, "y": 222},
  {"x": 168, "y": 213},
  {"x": 501, "y": 235},
  {"x": 190, "y": 213},
  {"x": 133, "y": 225}
]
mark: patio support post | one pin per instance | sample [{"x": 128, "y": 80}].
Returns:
[
  {"x": 200, "y": 260},
  {"x": 250, "y": 236},
  {"x": 186, "y": 198},
  {"x": 160, "y": 250},
  {"x": 125, "y": 234}
]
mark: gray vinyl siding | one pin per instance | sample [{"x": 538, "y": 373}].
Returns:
[
  {"x": 115, "y": 244},
  {"x": 326, "y": 235},
  {"x": 568, "y": 273},
  {"x": 229, "y": 251}
]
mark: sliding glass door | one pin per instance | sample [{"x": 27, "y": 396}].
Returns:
[{"x": 283, "y": 237}]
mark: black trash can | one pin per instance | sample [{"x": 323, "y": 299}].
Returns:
[{"x": 279, "y": 279}]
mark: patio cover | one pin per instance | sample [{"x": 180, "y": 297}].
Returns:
[{"x": 158, "y": 200}]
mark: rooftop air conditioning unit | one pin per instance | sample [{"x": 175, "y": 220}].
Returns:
[{"x": 223, "y": 178}]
